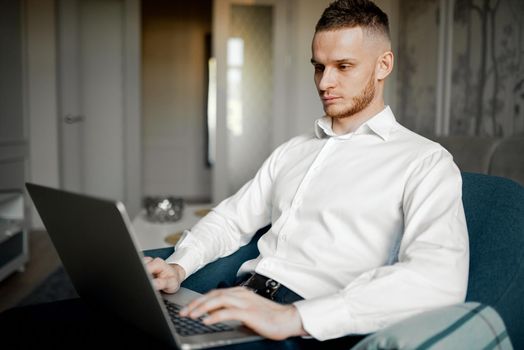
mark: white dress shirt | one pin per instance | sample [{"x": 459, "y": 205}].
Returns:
[{"x": 368, "y": 226}]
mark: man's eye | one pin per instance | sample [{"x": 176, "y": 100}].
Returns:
[
  {"x": 344, "y": 66},
  {"x": 319, "y": 68}
]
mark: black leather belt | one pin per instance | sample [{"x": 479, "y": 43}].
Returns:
[{"x": 262, "y": 285}]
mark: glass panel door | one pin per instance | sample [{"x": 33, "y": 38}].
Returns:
[
  {"x": 249, "y": 38},
  {"x": 249, "y": 91}
]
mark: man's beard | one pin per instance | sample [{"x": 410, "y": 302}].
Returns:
[{"x": 358, "y": 103}]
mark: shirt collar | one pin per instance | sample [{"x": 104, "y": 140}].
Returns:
[{"x": 381, "y": 124}]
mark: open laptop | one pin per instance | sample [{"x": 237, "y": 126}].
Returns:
[{"x": 97, "y": 246}]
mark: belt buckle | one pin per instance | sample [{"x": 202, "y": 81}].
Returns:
[
  {"x": 271, "y": 287},
  {"x": 266, "y": 288}
]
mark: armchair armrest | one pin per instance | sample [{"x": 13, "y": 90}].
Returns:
[{"x": 462, "y": 326}]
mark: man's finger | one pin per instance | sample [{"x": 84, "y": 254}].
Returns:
[
  {"x": 228, "y": 314},
  {"x": 221, "y": 301},
  {"x": 214, "y": 300},
  {"x": 168, "y": 285},
  {"x": 156, "y": 266},
  {"x": 195, "y": 304},
  {"x": 159, "y": 283}
]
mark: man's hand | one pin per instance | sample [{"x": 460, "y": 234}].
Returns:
[
  {"x": 166, "y": 277},
  {"x": 265, "y": 317}
]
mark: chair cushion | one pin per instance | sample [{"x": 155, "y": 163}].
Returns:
[
  {"x": 462, "y": 326},
  {"x": 494, "y": 208}
]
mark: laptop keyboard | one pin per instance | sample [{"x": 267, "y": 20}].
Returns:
[{"x": 186, "y": 326}]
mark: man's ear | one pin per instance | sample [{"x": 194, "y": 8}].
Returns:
[{"x": 384, "y": 65}]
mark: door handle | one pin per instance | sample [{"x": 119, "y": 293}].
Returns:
[{"x": 73, "y": 119}]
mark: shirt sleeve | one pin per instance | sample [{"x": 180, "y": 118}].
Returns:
[
  {"x": 432, "y": 267},
  {"x": 232, "y": 223}
]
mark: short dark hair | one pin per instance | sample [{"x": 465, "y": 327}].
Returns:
[{"x": 354, "y": 13}]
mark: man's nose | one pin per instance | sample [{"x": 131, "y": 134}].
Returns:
[{"x": 327, "y": 80}]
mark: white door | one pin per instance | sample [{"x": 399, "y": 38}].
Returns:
[
  {"x": 99, "y": 100},
  {"x": 250, "y": 45}
]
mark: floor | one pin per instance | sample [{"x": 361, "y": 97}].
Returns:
[{"x": 42, "y": 261}]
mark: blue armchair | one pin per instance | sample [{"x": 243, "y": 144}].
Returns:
[{"x": 494, "y": 208}]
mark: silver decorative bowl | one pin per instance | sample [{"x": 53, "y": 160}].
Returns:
[{"x": 163, "y": 208}]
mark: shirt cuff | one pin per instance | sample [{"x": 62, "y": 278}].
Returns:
[
  {"x": 186, "y": 255},
  {"x": 324, "y": 318}
]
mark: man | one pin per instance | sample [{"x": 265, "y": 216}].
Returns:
[{"x": 367, "y": 219}]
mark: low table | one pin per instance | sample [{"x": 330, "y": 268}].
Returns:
[{"x": 152, "y": 235}]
